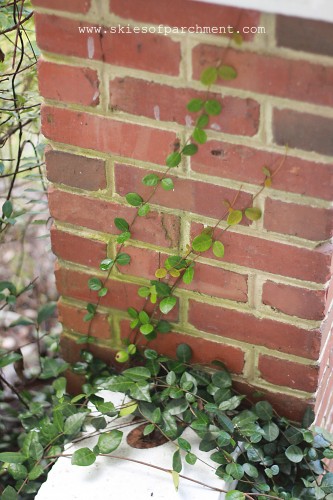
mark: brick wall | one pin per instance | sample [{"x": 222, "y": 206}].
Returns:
[{"x": 114, "y": 109}]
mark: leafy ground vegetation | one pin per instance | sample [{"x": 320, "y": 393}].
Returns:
[{"x": 269, "y": 456}]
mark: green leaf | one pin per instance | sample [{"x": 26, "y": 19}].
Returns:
[
  {"x": 213, "y": 107},
  {"x": 327, "y": 483},
  {"x": 202, "y": 242},
  {"x": 12, "y": 457},
  {"x": 184, "y": 444},
  {"x": 253, "y": 213},
  {"x": 266, "y": 171},
  {"x": 264, "y": 410},
  {"x": 8, "y": 359},
  {"x": 103, "y": 292},
  {"x": 146, "y": 329},
  {"x": 134, "y": 199},
  {"x": 195, "y": 105},
  {"x": 140, "y": 390},
  {"x": 308, "y": 417},
  {"x": 123, "y": 259},
  {"x": 22, "y": 321},
  {"x": 95, "y": 284},
  {"x": 137, "y": 373},
  {"x": 250, "y": 470},
  {"x": 7, "y": 209},
  {"x": 163, "y": 326},
  {"x": 144, "y": 210},
  {"x": 59, "y": 386},
  {"x": 234, "y": 217},
  {"x": 124, "y": 236},
  {"x": 83, "y": 457},
  {"x": 167, "y": 184},
  {"x": 199, "y": 136},
  {"x": 74, "y": 423},
  {"x": 132, "y": 312},
  {"x": 167, "y": 304},
  {"x": 294, "y": 454},
  {"x": 222, "y": 379},
  {"x": 106, "y": 264},
  {"x": 46, "y": 312},
  {"x": 190, "y": 149},
  {"x": 190, "y": 458},
  {"x": 328, "y": 453},
  {"x": 235, "y": 470},
  {"x": 184, "y": 353},
  {"x": 235, "y": 495},
  {"x": 218, "y": 249},
  {"x": 271, "y": 431},
  {"x": 173, "y": 159},
  {"x": 151, "y": 180},
  {"x": 177, "y": 462},
  {"x": 17, "y": 471},
  {"x": 227, "y": 72},
  {"x": 51, "y": 368},
  {"x": 175, "y": 479},
  {"x": 188, "y": 275},
  {"x": 209, "y": 76},
  {"x": 35, "y": 472},
  {"x": 202, "y": 121},
  {"x": 9, "y": 493},
  {"x": 109, "y": 441},
  {"x": 121, "y": 224}
]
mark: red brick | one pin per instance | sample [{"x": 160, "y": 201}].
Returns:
[
  {"x": 304, "y": 34},
  {"x": 298, "y": 220},
  {"x": 81, "y": 6},
  {"x": 99, "y": 215},
  {"x": 70, "y": 351},
  {"x": 139, "y": 97},
  {"x": 303, "y": 131},
  {"x": 287, "y": 406},
  {"x": 247, "y": 328},
  {"x": 273, "y": 257},
  {"x": 68, "y": 83},
  {"x": 75, "y": 170},
  {"x": 244, "y": 164},
  {"x": 301, "y": 302},
  {"x": 270, "y": 75},
  {"x": 185, "y": 13},
  {"x": 72, "y": 319},
  {"x": 204, "y": 351},
  {"x": 121, "y": 295},
  {"x": 73, "y": 248},
  {"x": 106, "y": 135},
  {"x": 188, "y": 195},
  {"x": 218, "y": 282},
  {"x": 287, "y": 373},
  {"x": 145, "y": 51},
  {"x": 144, "y": 262}
]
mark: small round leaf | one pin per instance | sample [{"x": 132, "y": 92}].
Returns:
[
  {"x": 213, "y": 107},
  {"x": 134, "y": 199},
  {"x": 209, "y": 76},
  {"x": 195, "y": 105},
  {"x": 234, "y": 217},
  {"x": 227, "y": 72}
]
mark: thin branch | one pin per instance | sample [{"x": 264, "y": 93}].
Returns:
[{"x": 17, "y": 25}]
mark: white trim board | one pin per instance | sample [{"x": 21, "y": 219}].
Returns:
[{"x": 311, "y": 9}]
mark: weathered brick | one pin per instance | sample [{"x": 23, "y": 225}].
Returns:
[
  {"x": 304, "y": 34},
  {"x": 303, "y": 131},
  {"x": 274, "y": 257},
  {"x": 99, "y": 215},
  {"x": 81, "y": 6},
  {"x": 269, "y": 74},
  {"x": 188, "y": 195},
  {"x": 289, "y": 406},
  {"x": 204, "y": 351},
  {"x": 73, "y": 248},
  {"x": 75, "y": 170},
  {"x": 106, "y": 135},
  {"x": 72, "y": 319},
  {"x": 68, "y": 83},
  {"x": 295, "y": 301},
  {"x": 145, "y": 51},
  {"x": 120, "y": 295},
  {"x": 247, "y": 328},
  {"x": 185, "y": 13},
  {"x": 140, "y": 97},
  {"x": 288, "y": 373},
  {"x": 303, "y": 221},
  {"x": 244, "y": 164}
]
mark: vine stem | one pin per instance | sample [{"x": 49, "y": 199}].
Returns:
[{"x": 12, "y": 388}]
